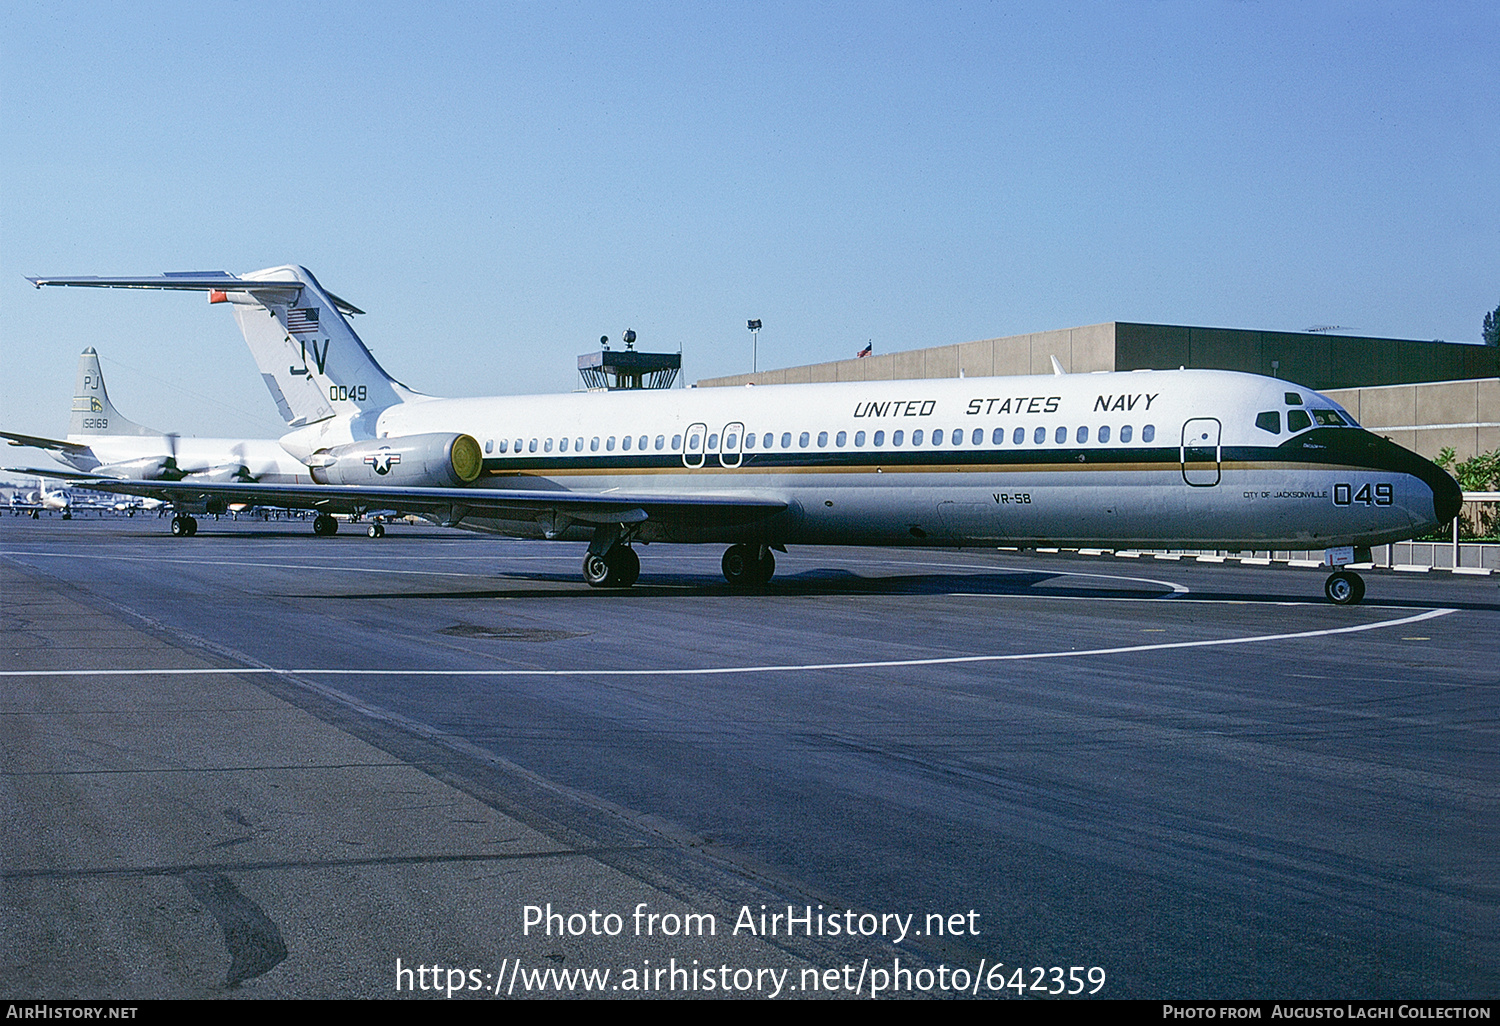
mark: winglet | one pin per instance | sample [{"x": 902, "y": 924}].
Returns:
[{"x": 1057, "y": 368}]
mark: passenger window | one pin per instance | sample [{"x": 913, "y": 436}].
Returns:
[
  {"x": 1083, "y": 435},
  {"x": 625, "y": 443},
  {"x": 1148, "y": 433},
  {"x": 642, "y": 443},
  {"x": 957, "y": 434},
  {"x": 1125, "y": 433},
  {"x": 676, "y": 442},
  {"x": 859, "y": 438},
  {"x": 822, "y": 439},
  {"x": 937, "y": 436},
  {"x": 879, "y": 438},
  {"x": 1297, "y": 420},
  {"x": 532, "y": 446},
  {"x": 998, "y": 437},
  {"x": 916, "y": 437},
  {"x": 802, "y": 440},
  {"x": 786, "y": 439},
  {"x": 1104, "y": 435},
  {"x": 1269, "y": 421},
  {"x": 896, "y": 437},
  {"x": 978, "y": 438},
  {"x": 1019, "y": 437},
  {"x": 1061, "y": 435},
  {"x": 609, "y": 444},
  {"x": 1293, "y": 399},
  {"x": 594, "y": 444},
  {"x": 547, "y": 445},
  {"x": 578, "y": 445},
  {"x": 840, "y": 438},
  {"x": 713, "y": 441},
  {"x": 562, "y": 445},
  {"x": 489, "y": 446},
  {"x": 749, "y": 440},
  {"x": 731, "y": 441},
  {"x": 1039, "y": 435},
  {"x": 765, "y": 443}
]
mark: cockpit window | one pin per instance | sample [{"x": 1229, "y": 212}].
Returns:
[
  {"x": 1328, "y": 418},
  {"x": 1269, "y": 421},
  {"x": 1293, "y": 399},
  {"x": 1297, "y": 420}
]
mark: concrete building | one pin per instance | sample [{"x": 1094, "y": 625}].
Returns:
[{"x": 1423, "y": 395}]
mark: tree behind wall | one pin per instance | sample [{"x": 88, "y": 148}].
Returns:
[{"x": 1492, "y": 327}]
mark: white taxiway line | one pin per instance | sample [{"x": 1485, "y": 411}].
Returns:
[{"x": 773, "y": 668}]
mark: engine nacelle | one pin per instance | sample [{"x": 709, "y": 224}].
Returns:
[{"x": 420, "y": 461}]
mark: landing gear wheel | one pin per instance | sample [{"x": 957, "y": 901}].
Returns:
[
  {"x": 617, "y": 568},
  {"x": 377, "y": 531},
  {"x": 184, "y": 526},
  {"x": 746, "y": 566},
  {"x": 324, "y": 525},
  {"x": 1344, "y": 588}
]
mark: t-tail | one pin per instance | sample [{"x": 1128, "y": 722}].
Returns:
[{"x": 324, "y": 381}]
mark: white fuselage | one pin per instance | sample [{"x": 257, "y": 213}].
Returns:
[{"x": 1149, "y": 458}]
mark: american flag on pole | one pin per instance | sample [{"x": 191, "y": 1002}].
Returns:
[
  {"x": 302, "y": 322},
  {"x": 869, "y": 347}
]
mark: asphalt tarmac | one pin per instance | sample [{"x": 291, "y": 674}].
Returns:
[{"x": 256, "y": 763}]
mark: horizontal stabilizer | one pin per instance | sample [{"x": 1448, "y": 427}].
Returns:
[{"x": 36, "y": 442}]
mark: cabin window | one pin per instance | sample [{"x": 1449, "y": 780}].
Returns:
[
  {"x": 642, "y": 443},
  {"x": 897, "y": 437},
  {"x": 1104, "y": 435},
  {"x": 916, "y": 437},
  {"x": 1019, "y": 437},
  {"x": 1297, "y": 420},
  {"x": 840, "y": 438},
  {"x": 693, "y": 442},
  {"x": 578, "y": 445},
  {"x": 713, "y": 441},
  {"x": 1148, "y": 433},
  {"x": 547, "y": 445},
  {"x": 822, "y": 439},
  {"x": 1061, "y": 435},
  {"x": 731, "y": 442},
  {"x": 859, "y": 439},
  {"x": 562, "y": 445},
  {"x": 609, "y": 444},
  {"x": 750, "y": 440},
  {"x": 1293, "y": 399},
  {"x": 1269, "y": 421},
  {"x": 879, "y": 438},
  {"x": 767, "y": 440},
  {"x": 531, "y": 447},
  {"x": 957, "y": 434},
  {"x": 1039, "y": 436},
  {"x": 1125, "y": 433},
  {"x": 803, "y": 439},
  {"x": 937, "y": 436},
  {"x": 676, "y": 442},
  {"x": 625, "y": 443},
  {"x": 594, "y": 444},
  {"x": 997, "y": 437},
  {"x": 978, "y": 438},
  {"x": 489, "y": 446},
  {"x": 1083, "y": 435}
]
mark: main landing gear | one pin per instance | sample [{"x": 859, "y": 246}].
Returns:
[
  {"x": 617, "y": 568},
  {"x": 184, "y": 526},
  {"x": 324, "y": 526},
  {"x": 1344, "y": 588},
  {"x": 748, "y": 566}
]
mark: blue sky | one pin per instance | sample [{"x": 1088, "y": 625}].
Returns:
[{"x": 499, "y": 185}]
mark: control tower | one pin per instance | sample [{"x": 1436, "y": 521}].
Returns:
[{"x": 610, "y": 370}]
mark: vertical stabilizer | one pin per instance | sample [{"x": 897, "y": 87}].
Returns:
[
  {"x": 314, "y": 364},
  {"x": 93, "y": 413}
]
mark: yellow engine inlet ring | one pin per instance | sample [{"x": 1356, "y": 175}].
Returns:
[{"x": 466, "y": 458}]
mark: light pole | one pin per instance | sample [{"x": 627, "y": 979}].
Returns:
[{"x": 754, "y": 327}]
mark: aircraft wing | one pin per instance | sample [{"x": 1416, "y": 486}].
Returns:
[
  {"x": 37, "y": 442},
  {"x": 449, "y": 506}
]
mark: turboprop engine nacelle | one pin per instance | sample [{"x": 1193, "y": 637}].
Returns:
[{"x": 421, "y": 461}]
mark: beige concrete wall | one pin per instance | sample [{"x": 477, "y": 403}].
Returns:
[{"x": 1427, "y": 417}]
